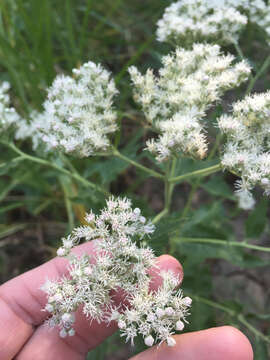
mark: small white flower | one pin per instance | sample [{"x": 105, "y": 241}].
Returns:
[
  {"x": 179, "y": 326},
  {"x": 171, "y": 341},
  {"x": 68, "y": 318},
  {"x": 160, "y": 312},
  {"x": 63, "y": 333},
  {"x": 149, "y": 340},
  {"x": 187, "y": 301},
  {"x": 58, "y": 297},
  {"x": 61, "y": 251},
  {"x": 121, "y": 324},
  {"x": 49, "y": 308},
  {"x": 88, "y": 270},
  {"x": 169, "y": 311}
]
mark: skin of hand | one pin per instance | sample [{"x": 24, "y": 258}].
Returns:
[{"x": 24, "y": 337}]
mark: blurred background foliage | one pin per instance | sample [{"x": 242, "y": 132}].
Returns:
[{"x": 39, "y": 39}]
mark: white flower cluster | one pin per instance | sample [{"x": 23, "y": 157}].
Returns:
[
  {"x": 78, "y": 114},
  {"x": 120, "y": 261},
  {"x": 176, "y": 101},
  {"x": 31, "y": 129},
  {"x": 8, "y": 115},
  {"x": 247, "y": 150},
  {"x": 218, "y": 21}
]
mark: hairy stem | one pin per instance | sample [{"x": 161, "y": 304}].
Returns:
[
  {"x": 44, "y": 162},
  {"x": 239, "y": 316},
  {"x": 203, "y": 172},
  {"x": 253, "y": 80},
  {"x": 242, "y": 244},
  {"x": 197, "y": 183},
  {"x": 168, "y": 191},
  {"x": 137, "y": 165}
]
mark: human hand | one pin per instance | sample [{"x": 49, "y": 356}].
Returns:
[{"x": 24, "y": 337}]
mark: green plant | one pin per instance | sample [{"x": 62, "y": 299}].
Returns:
[{"x": 199, "y": 219}]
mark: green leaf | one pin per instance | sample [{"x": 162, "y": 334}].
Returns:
[
  {"x": 257, "y": 219},
  {"x": 218, "y": 187},
  {"x": 260, "y": 348}
]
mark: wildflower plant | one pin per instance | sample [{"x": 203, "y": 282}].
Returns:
[
  {"x": 219, "y": 21},
  {"x": 195, "y": 116}
]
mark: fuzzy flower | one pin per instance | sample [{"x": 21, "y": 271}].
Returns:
[
  {"x": 78, "y": 114},
  {"x": 247, "y": 149},
  {"x": 31, "y": 129},
  {"x": 220, "y": 21},
  {"x": 8, "y": 115},
  {"x": 121, "y": 260},
  {"x": 176, "y": 101}
]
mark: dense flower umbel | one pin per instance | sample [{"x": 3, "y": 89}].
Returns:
[
  {"x": 218, "y": 21},
  {"x": 78, "y": 114},
  {"x": 121, "y": 261},
  {"x": 247, "y": 150},
  {"x": 175, "y": 102},
  {"x": 8, "y": 115}
]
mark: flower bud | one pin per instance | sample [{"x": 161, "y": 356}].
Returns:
[
  {"x": 171, "y": 341},
  {"x": 58, "y": 297},
  {"x": 149, "y": 340},
  {"x": 160, "y": 312},
  {"x": 88, "y": 270},
  {"x": 187, "y": 301},
  {"x": 169, "y": 311},
  {"x": 61, "y": 252},
  {"x": 68, "y": 318},
  {"x": 49, "y": 308},
  {"x": 179, "y": 326},
  {"x": 63, "y": 333},
  {"x": 71, "y": 332},
  {"x": 121, "y": 324}
]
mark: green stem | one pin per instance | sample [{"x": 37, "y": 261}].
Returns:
[
  {"x": 242, "y": 244},
  {"x": 168, "y": 191},
  {"x": 159, "y": 216},
  {"x": 68, "y": 203},
  {"x": 198, "y": 181},
  {"x": 240, "y": 317},
  {"x": 214, "y": 304},
  {"x": 203, "y": 172},
  {"x": 239, "y": 50},
  {"x": 253, "y": 80},
  {"x": 137, "y": 165},
  {"x": 58, "y": 168},
  {"x": 251, "y": 328}
]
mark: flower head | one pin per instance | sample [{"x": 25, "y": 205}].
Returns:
[
  {"x": 176, "y": 101},
  {"x": 8, "y": 115},
  {"x": 220, "y": 21},
  {"x": 120, "y": 261},
  {"x": 78, "y": 114},
  {"x": 247, "y": 148}
]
